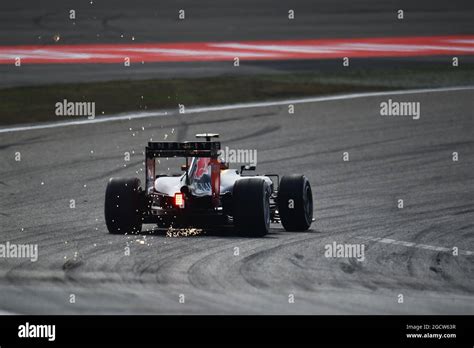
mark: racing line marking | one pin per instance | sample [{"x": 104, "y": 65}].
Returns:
[
  {"x": 138, "y": 115},
  {"x": 416, "y": 245},
  {"x": 245, "y": 50}
]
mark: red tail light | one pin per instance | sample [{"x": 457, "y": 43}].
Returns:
[{"x": 179, "y": 200}]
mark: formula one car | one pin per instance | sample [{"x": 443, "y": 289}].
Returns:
[{"x": 207, "y": 194}]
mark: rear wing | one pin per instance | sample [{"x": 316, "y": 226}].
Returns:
[
  {"x": 176, "y": 149},
  {"x": 186, "y": 149}
]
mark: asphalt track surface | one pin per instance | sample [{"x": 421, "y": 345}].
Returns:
[
  {"x": 355, "y": 202},
  {"x": 32, "y": 22}
]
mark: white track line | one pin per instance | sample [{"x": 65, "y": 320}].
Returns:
[
  {"x": 136, "y": 115},
  {"x": 416, "y": 245},
  {"x": 124, "y": 116}
]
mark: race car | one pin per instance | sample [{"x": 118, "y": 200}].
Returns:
[{"x": 207, "y": 194}]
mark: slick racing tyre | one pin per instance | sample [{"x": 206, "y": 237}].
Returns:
[
  {"x": 295, "y": 202},
  {"x": 123, "y": 202},
  {"x": 251, "y": 200}
]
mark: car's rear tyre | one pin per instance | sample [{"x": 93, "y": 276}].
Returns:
[
  {"x": 295, "y": 202},
  {"x": 251, "y": 203},
  {"x": 123, "y": 206}
]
